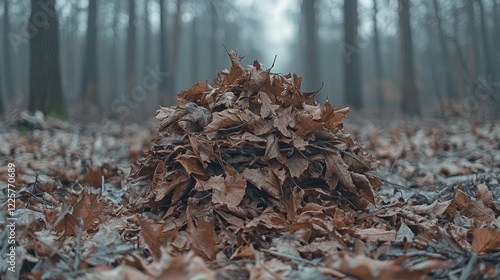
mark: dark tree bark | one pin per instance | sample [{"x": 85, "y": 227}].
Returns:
[
  {"x": 194, "y": 45},
  {"x": 351, "y": 51},
  {"x": 379, "y": 74},
  {"x": 488, "y": 67},
  {"x": 164, "y": 51},
  {"x": 74, "y": 77},
  {"x": 1, "y": 98},
  {"x": 147, "y": 34},
  {"x": 6, "y": 52},
  {"x": 45, "y": 81},
  {"x": 89, "y": 82},
  {"x": 431, "y": 55},
  {"x": 310, "y": 47},
  {"x": 445, "y": 54},
  {"x": 114, "y": 55},
  {"x": 459, "y": 59},
  {"x": 472, "y": 41},
  {"x": 175, "y": 51},
  {"x": 131, "y": 40},
  {"x": 496, "y": 30},
  {"x": 410, "y": 102},
  {"x": 213, "y": 44}
]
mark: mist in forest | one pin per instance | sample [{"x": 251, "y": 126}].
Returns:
[{"x": 123, "y": 59}]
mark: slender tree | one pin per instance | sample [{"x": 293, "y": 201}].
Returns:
[
  {"x": 45, "y": 91},
  {"x": 310, "y": 47},
  {"x": 459, "y": 58},
  {"x": 488, "y": 67},
  {"x": 114, "y": 54},
  {"x": 410, "y": 102},
  {"x": 194, "y": 43},
  {"x": 431, "y": 56},
  {"x": 164, "y": 51},
  {"x": 445, "y": 53},
  {"x": 175, "y": 50},
  {"x": 352, "y": 79},
  {"x": 496, "y": 30},
  {"x": 472, "y": 41},
  {"x": 1, "y": 98},
  {"x": 131, "y": 40},
  {"x": 379, "y": 74},
  {"x": 72, "y": 43},
  {"x": 147, "y": 33},
  {"x": 89, "y": 93},
  {"x": 214, "y": 44},
  {"x": 6, "y": 51}
]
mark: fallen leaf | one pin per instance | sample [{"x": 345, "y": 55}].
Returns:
[
  {"x": 375, "y": 234},
  {"x": 485, "y": 240}
]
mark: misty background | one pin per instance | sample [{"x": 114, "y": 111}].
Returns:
[{"x": 123, "y": 58}]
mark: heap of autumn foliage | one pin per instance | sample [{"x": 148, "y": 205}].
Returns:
[{"x": 252, "y": 157}]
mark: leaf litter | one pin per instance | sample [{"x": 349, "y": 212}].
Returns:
[{"x": 250, "y": 178}]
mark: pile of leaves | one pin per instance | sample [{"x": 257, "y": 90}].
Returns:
[{"x": 251, "y": 158}]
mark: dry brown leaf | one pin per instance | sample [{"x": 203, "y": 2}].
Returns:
[
  {"x": 376, "y": 234},
  {"x": 152, "y": 235},
  {"x": 485, "y": 240},
  {"x": 271, "y": 220},
  {"x": 66, "y": 223},
  {"x": 268, "y": 107},
  {"x": 435, "y": 209},
  {"x": 336, "y": 165},
  {"x": 230, "y": 190},
  {"x": 364, "y": 186},
  {"x": 484, "y": 194},
  {"x": 226, "y": 119},
  {"x": 203, "y": 237},
  {"x": 473, "y": 208},
  {"x": 297, "y": 164},
  {"x": 365, "y": 268},
  {"x": 272, "y": 149},
  {"x": 237, "y": 70},
  {"x": 190, "y": 164},
  {"x": 88, "y": 209},
  {"x": 264, "y": 179},
  {"x": 175, "y": 181}
]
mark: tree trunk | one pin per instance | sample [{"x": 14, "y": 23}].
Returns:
[
  {"x": 410, "y": 102},
  {"x": 1, "y": 98},
  {"x": 458, "y": 58},
  {"x": 147, "y": 34},
  {"x": 496, "y": 38},
  {"x": 472, "y": 41},
  {"x": 213, "y": 44},
  {"x": 445, "y": 53},
  {"x": 175, "y": 51},
  {"x": 352, "y": 80},
  {"x": 164, "y": 51},
  {"x": 431, "y": 56},
  {"x": 45, "y": 81},
  {"x": 114, "y": 53},
  {"x": 310, "y": 48},
  {"x": 194, "y": 45},
  {"x": 131, "y": 40},
  {"x": 379, "y": 74},
  {"x": 488, "y": 68},
  {"x": 89, "y": 83},
  {"x": 6, "y": 52}
]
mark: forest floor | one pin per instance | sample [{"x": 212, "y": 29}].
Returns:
[{"x": 436, "y": 214}]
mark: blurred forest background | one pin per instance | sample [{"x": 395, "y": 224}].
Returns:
[{"x": 123, "y": 58}]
